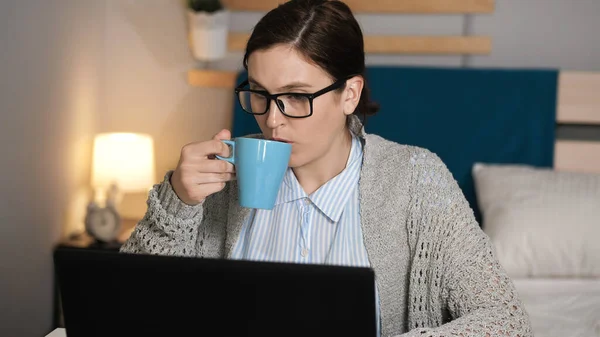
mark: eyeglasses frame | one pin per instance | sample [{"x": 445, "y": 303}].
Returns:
[{"x": 274, "y": 97}]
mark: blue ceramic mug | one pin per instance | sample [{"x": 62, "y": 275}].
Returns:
[{"x": 260, "y": 166}]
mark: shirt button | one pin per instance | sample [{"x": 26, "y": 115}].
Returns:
[
  {"x": 304, "y": 252},
  {"x": 307, "y": 201}
]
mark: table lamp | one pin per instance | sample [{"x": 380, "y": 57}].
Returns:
[{"x": 121, "y": 163}]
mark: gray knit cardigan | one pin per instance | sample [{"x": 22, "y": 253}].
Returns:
[{"x": 436, "y": 270}]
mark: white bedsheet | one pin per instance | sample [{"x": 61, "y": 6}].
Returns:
[{"x": 562, "y": 307}]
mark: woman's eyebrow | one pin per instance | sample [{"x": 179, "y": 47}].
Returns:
[
  {"x": 295, "y": 85},
  {"x": 255, "y": 82},
  {"x": 290, "y": 86}
]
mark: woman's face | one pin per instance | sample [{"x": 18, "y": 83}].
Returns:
[{"x": 283, "y": 70}]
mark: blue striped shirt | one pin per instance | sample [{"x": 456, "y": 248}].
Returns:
[{"x": 321, "y": 228}]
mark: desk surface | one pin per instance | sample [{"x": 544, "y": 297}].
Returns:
[{"x": 57, "y": 333}]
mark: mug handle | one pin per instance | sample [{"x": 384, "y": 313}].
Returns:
[{"x": 230, "y": 159}]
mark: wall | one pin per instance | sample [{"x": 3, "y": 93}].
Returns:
[
  {"x": 526, "y": 33},
  {"x": 541, "y": 33},
  {"x": 147, "y": 59},
  {"x": 50, "y": 86}
]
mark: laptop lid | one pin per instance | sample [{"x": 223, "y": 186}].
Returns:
[{"x": 116, "y": 294}]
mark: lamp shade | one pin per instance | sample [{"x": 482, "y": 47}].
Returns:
[{"x": 126, "y": 159}]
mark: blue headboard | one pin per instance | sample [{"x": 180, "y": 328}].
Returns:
[{"x": 463, "y": 115}]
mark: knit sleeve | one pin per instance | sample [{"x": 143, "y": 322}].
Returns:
[
  {"x": 169, "y": 227},
  {"x": 475, "y": 294}
]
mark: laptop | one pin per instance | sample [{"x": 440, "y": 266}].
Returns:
[{"x": 111, "y": 294}]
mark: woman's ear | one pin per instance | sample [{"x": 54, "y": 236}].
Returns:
[{"x": 352, "y": 94}]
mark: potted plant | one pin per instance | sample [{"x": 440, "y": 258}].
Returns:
[{"x": 208, "y": 22}]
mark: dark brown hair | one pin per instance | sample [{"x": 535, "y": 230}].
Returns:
[{"x": 325, "y": 32}]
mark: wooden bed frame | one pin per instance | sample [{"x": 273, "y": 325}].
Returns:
[{"x": 578, "y": 104}]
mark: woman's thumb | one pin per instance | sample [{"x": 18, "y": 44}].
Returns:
[{"x": 223, "y": 135}]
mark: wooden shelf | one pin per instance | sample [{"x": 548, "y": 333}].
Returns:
[
  {"x": 422, "y": 45},
  {"x": 383, "y": 6},
  {"x": 212, "y": 78},
  {"x": 430, "y": 45}
]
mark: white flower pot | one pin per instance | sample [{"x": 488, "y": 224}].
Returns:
[{"x": 208, "y": 34}]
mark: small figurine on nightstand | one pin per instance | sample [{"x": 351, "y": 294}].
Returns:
[{"x": 104, "y": 223}]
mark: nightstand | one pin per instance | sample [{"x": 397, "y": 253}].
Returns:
[{"x": 85, "y": 242}]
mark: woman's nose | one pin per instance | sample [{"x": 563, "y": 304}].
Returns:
[{"x": 274, "y": 117}]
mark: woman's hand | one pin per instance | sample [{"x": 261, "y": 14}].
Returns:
[{"x": 198, "y": 173}]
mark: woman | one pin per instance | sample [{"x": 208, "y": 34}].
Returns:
[{"x": 348, "y": 198}]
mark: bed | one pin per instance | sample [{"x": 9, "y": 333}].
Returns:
[
  {"x": 535, "y": 191},
  {"x": 545, "y": 222}
]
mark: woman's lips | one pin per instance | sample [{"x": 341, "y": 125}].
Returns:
[{"x": 283, "y": 140}]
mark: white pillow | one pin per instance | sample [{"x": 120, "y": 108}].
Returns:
[{"x": 543, "y": 223}]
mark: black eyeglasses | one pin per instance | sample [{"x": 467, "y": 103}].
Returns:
[{"x": 293, "y": 105}]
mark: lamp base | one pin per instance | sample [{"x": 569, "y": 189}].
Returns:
[
  {"x": 113, "y": 245},
  {"x": 85, "y": 240}
]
